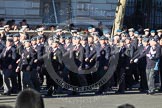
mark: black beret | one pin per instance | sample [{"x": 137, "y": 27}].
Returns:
[
  {"x": 68, "y": 37},
  {"x": 153, "y": 39},
  {"x": 131, "y": 30},
  {"x": 9, "y": 35},
  {"x": 62, "y": 37},
  {"x": 102, "y": 38},
  {"x": 74, "y": 31},
  {"x": 56, "y": 37},
  {"x": 16, "y": 35},
  {"x": 84, "y": 38},
  {"x": 146, "y": 39},
  {"x": 34, "y": 39},
  {"x": 39, "y": 37},
  {"x": 27, "y": 40},
  {"x": 10, "y": 40},
  {"x": 106, "y": 38},
  {"x": 55, "y": 41},
  {"x": 76, "y": 38}
]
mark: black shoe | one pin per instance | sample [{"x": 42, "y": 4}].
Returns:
[
  {"x": 6, "y": 94},
  {"x": 147, "y": 93},
  {"x": 14, "y": 91},
  {"x": 48, "y": 95},
  {"x": 119, "y": 92},
  {"x": 143, "y": 91},
  {"x": 129, "y": 88},
  {"x": 152, "y": 93},
  {"x": 160, "y": 90},
  {"x": 73, "y": 93},
  {"x": 98, "y": 93}
]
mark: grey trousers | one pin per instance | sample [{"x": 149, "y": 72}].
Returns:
[{"x": 150, "y": 79}]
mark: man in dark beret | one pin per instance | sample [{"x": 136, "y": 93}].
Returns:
[
  {"x": 103, "y": 56},
  {"x": 8, "y": 56},
  {"x": 130, "y": 49},
  {"x": 26, "y": 65},
  {"x": 140, "y": 58},
  {"x": 40, "y": 52},
  {"x": 19, "y": 49}
]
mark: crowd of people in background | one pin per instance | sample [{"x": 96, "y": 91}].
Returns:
[{"x": 23, "y": 65}]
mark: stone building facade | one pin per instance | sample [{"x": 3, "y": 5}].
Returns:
[{"x": 59, "y": 11}]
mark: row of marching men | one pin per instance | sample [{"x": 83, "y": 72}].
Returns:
[
  {"x": 24, "y": 62},
  {"x": 143, "y": 64}
]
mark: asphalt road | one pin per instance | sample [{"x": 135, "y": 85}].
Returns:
[{"x": 89, "y": 100}]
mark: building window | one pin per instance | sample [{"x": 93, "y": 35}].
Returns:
[
  {"x": 47, "y": 11},
  {"x": 146, "y": 13}
]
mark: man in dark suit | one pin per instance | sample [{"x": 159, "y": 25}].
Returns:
[
  {"x": 8, "y": 56},
  {"x": 121, "y": 68},
  {"x": 40, "y": 52},
  {"x": 91, "y": 61},
  {"x": 134, "y": 43},
  {"x": 103, "y": 55},
  {"x": 49, "y": 81},
  {"x": 55, "y": 55},
  {"x": 129, "y": 67},
  {"x": 76, "y": 57},
  {"x": 84, "y": 42},
  {"x": 77, "y": 53},
  {"x": 140, "y": 58},
  {"x": 26, "y": 65},
  {"x": 67, "y": 47},
  {"x": 19, "y": 48},
  {"x": 133, "y": 36},
  {"x": 92, "y": 53},
  {"x": 35, "y": 74}
]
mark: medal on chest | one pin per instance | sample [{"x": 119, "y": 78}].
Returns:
[
  {"x": 28, "y": 56},
  {"x": 9, "y": 55},
  {"x": 102, "y": 52},
  {"x": 77, "y": 53},
  {"x": 54, "y": 56},
  {"x": 91, "y": 48}
]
